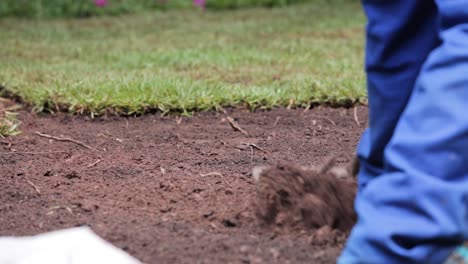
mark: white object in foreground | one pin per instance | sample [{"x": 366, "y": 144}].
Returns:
[{"x": 78, "y": 245}]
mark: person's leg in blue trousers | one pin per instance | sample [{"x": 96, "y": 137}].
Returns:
[
  {"x": 413, "y": 184},
  {"x": 400, "y": 36}
]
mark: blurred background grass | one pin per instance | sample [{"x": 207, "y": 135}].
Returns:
[
  {"x": 171, "y": 57},
  {"x": 86, "y": 8}
]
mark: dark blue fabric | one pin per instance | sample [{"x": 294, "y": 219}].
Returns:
[{"x": 413, "y": 183}]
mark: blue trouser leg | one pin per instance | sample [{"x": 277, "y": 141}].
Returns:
[
  {"x": 416, "y": 209},
  {"x": 400, "y": 35}
]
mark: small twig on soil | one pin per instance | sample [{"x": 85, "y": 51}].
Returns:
[
  {"x": 356, "y": 116},
  {"x": 329, "y": 120},
  {"x": 222, "y": 110},
  {"x": 253, "y": 146},
  {"x": 32, "y": 153},
  {"x": 291, "y": 103},
  {"x": 307, "y": 108},
  {"x": 63, "y": 139},
  {"x": 217, "y": 174},
  {"x": 277, "y": 120},
  {"x": 236, "y": 126},
  {"x": 94, "y": 163},
  {"x": 60, "y": 207},
  {"x": 178, "y": 120},
  {"x": 251, "y": 154},
  {"x": 9, "y": 143},
  {"x": 34, "y": 186},
  {"x": 212, "y": 189}
]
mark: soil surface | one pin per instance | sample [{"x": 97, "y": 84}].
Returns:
[{"x": 172, "y": 189}]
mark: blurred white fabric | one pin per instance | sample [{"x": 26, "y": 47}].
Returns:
[{"x": 78, "y": 245}]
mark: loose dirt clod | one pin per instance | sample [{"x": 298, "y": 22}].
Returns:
[{"x": 294, "y": 197}]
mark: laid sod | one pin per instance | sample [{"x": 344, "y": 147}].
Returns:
[{"x": 183, "y": 60}]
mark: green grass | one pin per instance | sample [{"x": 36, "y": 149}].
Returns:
[
  {"x": 233, "y": 4},
  {"x": 182, "y": 60},
  {"x": 87, "y": 8},
  {"x": 83, "y": 8}
]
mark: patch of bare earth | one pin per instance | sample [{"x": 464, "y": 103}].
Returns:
[{"x": 170, "y": 189}]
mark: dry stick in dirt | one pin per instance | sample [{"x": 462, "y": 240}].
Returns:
[
  {"x": 244, "y": 146},
  {"x": 329, "y": 120},
  {"x": 63, "y": 139},
  {"x": 94, "y": 163},
  {"x": 5, "y": 142},
  {"x": 277, "y": 120},
  {"x": 217, "y": 174},
  {"x": 356, "y": 116},
  {"x": 59, "y": 207},
  {"x": 34, "y": 186},
  {"x": 9, "y": 143},
  {"x": 236, "y": 126},
  {"x": 251, "y": 155},
  {"x": 252, "y": 145},
  {"x": 32, "y": 153}
]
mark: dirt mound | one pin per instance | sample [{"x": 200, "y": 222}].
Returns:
[{"x": 291, "y": 196}]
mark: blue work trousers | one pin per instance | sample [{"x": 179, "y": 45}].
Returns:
[{"x": 412, "y": 201}]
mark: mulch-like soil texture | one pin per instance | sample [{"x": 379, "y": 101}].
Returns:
[{"x": 171, "y": 189}]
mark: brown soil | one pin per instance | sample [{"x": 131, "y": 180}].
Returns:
[{"x": 169, "y": 189}]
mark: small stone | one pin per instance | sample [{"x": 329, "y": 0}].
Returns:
[
  {"x": 208, "y": 213},
  {"x": 228, "y": 223},
  {"x": 87, "y": 206},
  {"x": 244, "y": 249},
  {"x": 275, "y": 253},
  {"x": 322, "y": 235},
  {"x": 256, "y": 260},
  {"x": 165, "y": 209},
  {"x": 197, "y": 190},
  {"x": 72, "y": 175}
]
